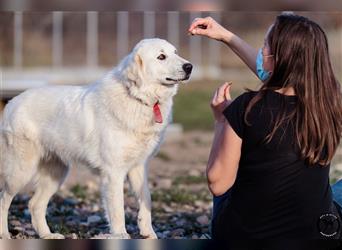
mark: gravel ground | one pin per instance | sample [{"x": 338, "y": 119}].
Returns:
[
  {"x": 181, "y": 202},
  {"x": 77, "y": 217}
]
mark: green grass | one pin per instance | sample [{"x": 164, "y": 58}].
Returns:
[
  {"x": 192, "y": 102},
  {"x": 60, "y": 228},
  {"x": 192, "y": 110},
  {"x": 180, "y": 196},
  {"x": 187, "y": 179},
  {"x": 192, "y": 105},
  {"x": 79, "y": 191}
]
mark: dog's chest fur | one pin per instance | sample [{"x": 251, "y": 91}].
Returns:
[
  {"x": 140, "y": 134},
  {"x": 147, "y": 135}
]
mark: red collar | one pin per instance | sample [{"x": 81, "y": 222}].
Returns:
[{"x": 158, "y": 118}]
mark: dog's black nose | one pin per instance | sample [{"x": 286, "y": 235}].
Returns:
[{"x": 187, "y": 67}]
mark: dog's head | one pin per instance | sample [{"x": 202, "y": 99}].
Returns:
[{"x": 156, "y": 61}]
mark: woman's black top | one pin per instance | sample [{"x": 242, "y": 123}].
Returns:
[{"x": 275, "y": 194}]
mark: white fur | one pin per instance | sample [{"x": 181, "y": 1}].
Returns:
[{"x": 108, "y": 125}]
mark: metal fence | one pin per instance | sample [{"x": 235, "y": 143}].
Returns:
[{"x": 122, "y": 36}]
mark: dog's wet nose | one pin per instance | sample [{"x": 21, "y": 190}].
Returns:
[{"x": 187, "y": 67}]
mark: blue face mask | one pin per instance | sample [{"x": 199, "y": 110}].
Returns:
[{"x": 262, "y": 73}]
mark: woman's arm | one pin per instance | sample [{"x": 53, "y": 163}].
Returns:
[
  {"x": 245, "y": 51},
  {"x": 210, "y": 28},
  {"x": 224, "y": 159},
  {"x": 226, "y": 149}
]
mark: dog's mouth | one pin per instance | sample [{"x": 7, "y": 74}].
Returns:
[{"x": 172, "y": 81}]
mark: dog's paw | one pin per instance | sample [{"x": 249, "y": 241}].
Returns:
[
  {"x": 151, "y": 236},
  {"x": 148, "y": 234},
  {"x": 5, "y": 236},
  {"x": 53, "y": 236}
]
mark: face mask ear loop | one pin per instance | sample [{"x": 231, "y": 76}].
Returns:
[
  {"x": 261, "y": 72},
  {"x": 269, "y": 72}
]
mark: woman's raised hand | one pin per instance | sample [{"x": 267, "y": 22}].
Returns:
[
  {"x": 207, "y": 27},
  {"x": 220, "y": 101}
]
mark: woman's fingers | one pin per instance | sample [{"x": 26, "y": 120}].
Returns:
[
  {"x": 213, "y": 100},
  {"x": 199, "y": 31},
  {"x": 227, "y": 92},
  {"x": 221, "y": 93},
  {"x": 198, "y": 22}
]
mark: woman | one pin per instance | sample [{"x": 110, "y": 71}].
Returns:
[{"x": 273, "y": 147}]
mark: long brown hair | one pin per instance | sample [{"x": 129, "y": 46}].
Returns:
[{"x": 301, "y": 60}]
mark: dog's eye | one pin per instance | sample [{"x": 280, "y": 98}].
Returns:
[{"x": 161, "y": 57}]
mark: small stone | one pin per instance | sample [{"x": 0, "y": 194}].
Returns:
[
  {"x": 84, "y": 224},
  {"x": 93, "y": 219},
  {"x": 70, "y": 202},
  {"x": 71, "y": 223},
  {"x": 160, "y": 235},
  {"x": 205, "y": 237},
  {"x": 164, "y": 183},
  {"x": 181, "y": 222},
  {"x": 24, "y": 198},
  {"x": 102, "y": 236},
  {"x": 31, "y": 233},
  {"x": 195, "y": 173},
  {"x": 199, "y": 203},
  {"x": 202, "y": 220},
  {"x": 18, "y": 229},
  {"x": 103, "y": 226},
  {"x": 27, "y": 226},
  {"x": 92, "y": 185},
  {"x": 95, "y": 207},
  {"x": 173, "y": 204},
  {"x": 15, "y": 223},
  {"x": 177, "y": 232},
  {"x": 130, "y": 228},
  {"x": 338, "y": 166},
  {"x": 71, "y": 236},
  {"x": 167, "y": 209},
  {"x": 27, "y": 213},
  {"x": 75, "y": 212},
  {"x": 194, "y": 237}
]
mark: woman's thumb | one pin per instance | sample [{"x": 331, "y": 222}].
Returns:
[{"x": 199, "y": 31}]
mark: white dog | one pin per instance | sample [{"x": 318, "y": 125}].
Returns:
[{"x": 114, "y": 125}]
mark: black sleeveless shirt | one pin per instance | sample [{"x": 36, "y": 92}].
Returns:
[{"x": 276, "y": 194}]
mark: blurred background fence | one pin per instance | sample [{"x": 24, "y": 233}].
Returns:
[{"x": 78, "y": 47}]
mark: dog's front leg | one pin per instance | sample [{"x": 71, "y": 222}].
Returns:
[
  {"x": 139, "y": 183},
  {"x": 113, "y": 198}
]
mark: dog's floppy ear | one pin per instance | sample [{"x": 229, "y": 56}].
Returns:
[
  {"x": 134, "y": 70},
  {"x": 138, "y": 60}
]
